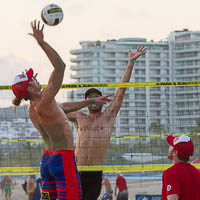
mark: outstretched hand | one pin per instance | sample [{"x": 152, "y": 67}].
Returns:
[
  {"x": 140, "y": 51},
  {"x": 103, "y": 99},
  {"x": 37, "y": 31}
]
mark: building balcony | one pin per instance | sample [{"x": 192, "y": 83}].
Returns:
[
  {"x": 193, "y": 90},
  {"x": 162, "y": 108},
  {"x": 186, "y": 58},
  {"x": 82, "y": 67},
  {"x": 186, "y": 40},
  {"x": 186, "y": 108},
  {"x": 82, "y": 59},
  {"x": 78, "y": 76},
  {"x": 114, "y": 50},
  {"x": 115, "y": 59},
  {"x": 80, "y": 51},
  {"x": 105, "y": 66},
  {"x": 158, "y": 58},
  {"x": 158, "y": 66},
  {"x": 193, "y": 75},
  {"x": 189, "y": 117},
  {"x": 186, "y": 66},
  {"x": 189, "y": 99},
  {"x": 185, "y": 50}
]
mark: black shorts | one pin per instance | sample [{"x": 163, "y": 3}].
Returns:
[{"x": 91, "y": 184}]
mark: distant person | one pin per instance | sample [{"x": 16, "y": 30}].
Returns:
[
  {"x": 122, "y": 188},
  {"x": 109, "y": 192},
  {"x": 95, "y": 129},
  {"x": 7, "y": 186},
  {"x": 31, "y": 187},
  {"x": 182, "y": 180}
]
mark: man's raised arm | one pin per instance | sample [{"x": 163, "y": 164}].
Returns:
[
  {"x": 56, "y": 78},
  {"x": 69, "y": 107},
  {"x": 114, "y": 107}
]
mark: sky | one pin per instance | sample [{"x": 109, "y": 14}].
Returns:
[{"x": 84, "y": 20}]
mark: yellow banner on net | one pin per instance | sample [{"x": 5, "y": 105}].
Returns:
[
  {"x": 112, "y": 137},
  {"x": 118, "y": 85},
  {"x": 106, "y": 169}
]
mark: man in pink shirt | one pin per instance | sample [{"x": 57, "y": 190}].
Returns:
[
  {"x": 122, "y": 187},
  {"x": 182, "y": 180}
]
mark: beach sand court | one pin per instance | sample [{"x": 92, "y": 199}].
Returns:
[{"x": 138, "y": 187}]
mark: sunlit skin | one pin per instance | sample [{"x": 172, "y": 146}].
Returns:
[
  {"x": 95, "y": 128},
  {"x": 53, "y": 126},
  {"x": 94, "y": 132},
  {"x": 45, "y": 113},
  {"x": 95, "y": 107},
  {"x": 173, "y": 155},
  {"x": 170, "y": 153},
  {"x": 7, "y": 181},
  {"x": 34, "y": 85}
]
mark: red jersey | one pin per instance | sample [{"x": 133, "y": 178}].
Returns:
[
  {"x": 182, "y": 179},
  {"x": 121, "y": 183}
]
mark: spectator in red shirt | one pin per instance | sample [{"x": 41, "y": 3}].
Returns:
[
  {"x": 122, "y": 187},
  {"x": 182, "y": 180}
]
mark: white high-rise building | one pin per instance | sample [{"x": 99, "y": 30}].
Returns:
[
  {"x": 185, "y": 47},
  {"x": 147, "y": 109}
]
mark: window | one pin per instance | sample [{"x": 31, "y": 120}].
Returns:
[
  {"x": 124, "y": 113},
  {"x": 124, "y": 121},
  {"x": 140, "y": 113},
  {"x": 139, "y": 79},
  {"x": 154, "y": 63}
]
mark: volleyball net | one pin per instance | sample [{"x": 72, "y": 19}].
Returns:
[{"x": 150, "y": 111}]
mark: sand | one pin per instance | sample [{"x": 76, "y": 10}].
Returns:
[{"x": 134, "y": 187}]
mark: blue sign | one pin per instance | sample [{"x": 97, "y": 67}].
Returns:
[{"x": 147, "y": 197}]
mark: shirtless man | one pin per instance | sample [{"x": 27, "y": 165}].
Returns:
[
  {"x": 94, "y": 131},
  {"x": 108, "y": 194},
  {"x": 7, "y": 186},
  {"x": 60, "y": 179}
]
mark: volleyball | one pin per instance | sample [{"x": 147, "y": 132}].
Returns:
[{"x": 52, "y": 14}]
